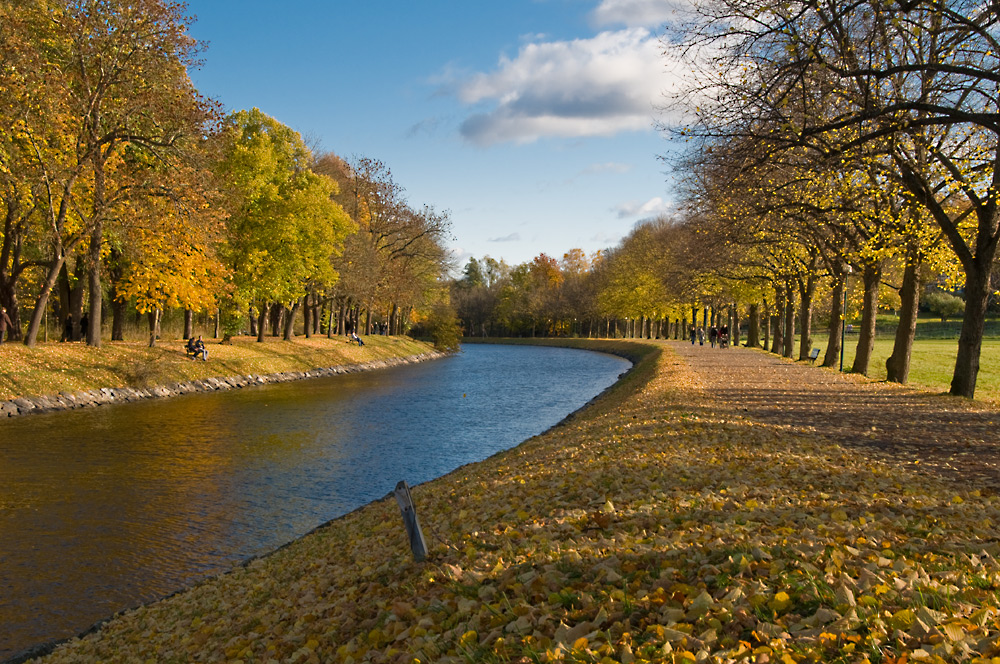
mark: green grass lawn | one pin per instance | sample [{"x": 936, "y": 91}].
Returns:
[{"x": 931, "y": 365}]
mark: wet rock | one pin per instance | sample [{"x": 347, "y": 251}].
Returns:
[{"x": 23, "y": 405}]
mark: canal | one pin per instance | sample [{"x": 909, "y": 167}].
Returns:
[{"x": 105, "y": 508}]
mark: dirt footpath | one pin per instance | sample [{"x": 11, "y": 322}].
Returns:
[{"x": 953, "y": 437}]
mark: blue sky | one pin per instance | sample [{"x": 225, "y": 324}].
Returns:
[{"x": 531, "y": 121}]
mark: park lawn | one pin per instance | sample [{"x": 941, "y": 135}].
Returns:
[
  {"x": 54, "y": 367},
  {"x": 931, "y": 364}
]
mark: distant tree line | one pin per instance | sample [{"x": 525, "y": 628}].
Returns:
[
  {"x": 126, "y": 192},
  {"x": 840, "y": 154}
]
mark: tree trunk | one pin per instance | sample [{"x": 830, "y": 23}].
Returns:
[
  {"x": 188, "y": 324},
  {"x": 898, "y": 365},
  {"x": 64, "y": 306},
  {"x": 261, "y": 320},
  {"x": 832, "y": 357},
  {"x": 8, "y": 299},
  {"x": 734, "y": 331},
  {"x": 341, "y": 318},
  {"x": 154, "y": 326},
  {"x": 118, "y": 313},
  {"x": 42, "y": 302},
  {"x": 869, "y": 308},
  {"x": 767, "y": 328},
  {"x": 307, "y": 316},
  {"x": 218, "y": 316},
  {"x": 970, "y": 341},
  {"x": 93, "y": 330},
  {"x": 753, "y": 326},
  {"x": 788, "y": 327},
  {"x": 777, "y": 340},
  {"x": 277, "y": 314},
  {"x": 807, "y": 288},
  {"x": 289, "y": 327}
]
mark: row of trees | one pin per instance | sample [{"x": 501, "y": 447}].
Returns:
[
  {"x": 828, "y": 142},
  {"x": 122, "y": 186},
  {"x": 850, "y": 138}
]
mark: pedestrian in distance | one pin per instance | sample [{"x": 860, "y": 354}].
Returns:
[{"x": 5, "y": 324}]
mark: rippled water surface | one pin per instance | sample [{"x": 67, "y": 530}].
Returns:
[{"x": 104, "y": 508}]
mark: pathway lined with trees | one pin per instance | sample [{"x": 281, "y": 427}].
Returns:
[
  {"x": 840, "y": 160},
  {"x": 952, "y": 437}
]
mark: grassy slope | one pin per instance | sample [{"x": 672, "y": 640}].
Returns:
[
  {"x": 649, "y": 527},
  {"x": 54, "y": 367}
]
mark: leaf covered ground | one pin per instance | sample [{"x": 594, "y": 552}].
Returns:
[
  {"x": 53, "y": 367},
  {"x": 659, "y": 525}
]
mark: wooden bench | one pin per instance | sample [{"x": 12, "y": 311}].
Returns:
[{"x": 813, "y": 354}]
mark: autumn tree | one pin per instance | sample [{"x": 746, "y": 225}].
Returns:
[
  {"x": 399, "y": 252},
  {"x": 476, "y": 295},
  {"x": 164, "y": 248},
  {"x": 916, "y": 82},
  {"x": 284, "y": 228}
]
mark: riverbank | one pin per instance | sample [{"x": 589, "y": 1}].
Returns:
[
  {"x": 657, "y": 525},
  {"x": 60, "y": 376}
]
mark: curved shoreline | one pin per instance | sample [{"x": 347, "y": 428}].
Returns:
[
  {"x": 20, "y": 406},
  {"x": 661, "y": 525},
  {"x": 634, "y": 353}
]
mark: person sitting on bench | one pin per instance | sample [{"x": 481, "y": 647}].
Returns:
[
  {"x": 355, "y": 337},
  {"x": 196, "y": 347}
]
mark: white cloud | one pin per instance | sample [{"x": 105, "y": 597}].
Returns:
[
  {"x": 606, "y": 239},
  {"x": 600, "y": 86},
  {"x": 607, "y": 167},
  {"x": 460, "y": 255},
  {"x": 638, "y": 13},
  {"x": 650, "y": 208},
  {"x": 513, "y": 237}
]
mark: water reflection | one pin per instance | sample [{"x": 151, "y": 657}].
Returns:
[{"x": 101, "y": 509}]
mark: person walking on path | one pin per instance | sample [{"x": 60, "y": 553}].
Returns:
[{"x": 701, "y": 336}]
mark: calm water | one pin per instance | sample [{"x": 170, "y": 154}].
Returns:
[{"x": 104, "y": 508}]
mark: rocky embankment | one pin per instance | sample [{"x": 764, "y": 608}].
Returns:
[{"x": 107, "y": 395}]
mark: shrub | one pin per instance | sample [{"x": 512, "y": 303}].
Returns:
[
  {"x": 943, "y": 304},
  {"x": 442, "y": 327}
]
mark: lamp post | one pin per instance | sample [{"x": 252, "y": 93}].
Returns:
[{"x": 843, "y": 318}]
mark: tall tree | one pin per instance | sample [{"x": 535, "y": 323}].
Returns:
[
  {"x": 842, "y": 78},
  {"x": 284, "y": 228},
  {"x": 115, "y": 80}
]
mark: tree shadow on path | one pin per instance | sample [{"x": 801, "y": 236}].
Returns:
[{"x": 953, "y": 437}]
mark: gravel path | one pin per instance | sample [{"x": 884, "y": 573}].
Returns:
[{"x": 953, "y": 437}]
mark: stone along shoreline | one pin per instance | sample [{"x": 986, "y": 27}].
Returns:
[{"x": 108, "y": 395}]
